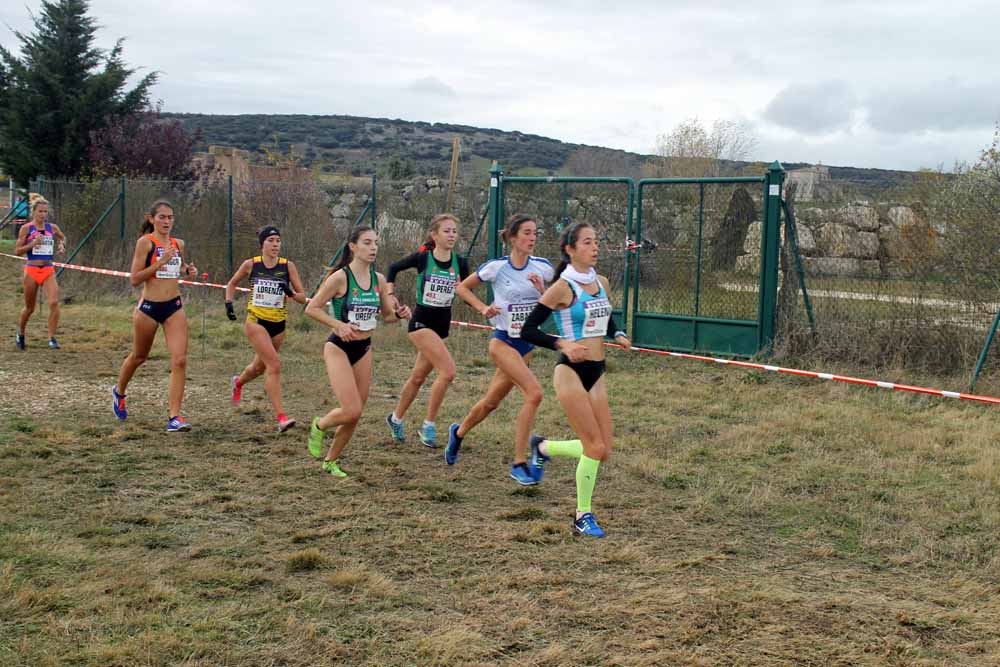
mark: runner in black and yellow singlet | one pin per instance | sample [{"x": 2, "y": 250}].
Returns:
[
  {"x": 272, "y": 279},
  {"x": 355, "y": 290},
  {"x": 440, "y": 269}
]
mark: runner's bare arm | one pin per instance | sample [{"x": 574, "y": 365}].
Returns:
[
  {"x": 334, "y": 286},
  {"x": 238, "y": 277},
  {"x": 299, "y": 294},
  {"x": 391, "y": 311},
  {"x": 21, "y": 247},
  {"x": 139, "y": 274}
]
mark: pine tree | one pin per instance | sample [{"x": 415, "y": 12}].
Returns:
[{"x": 60, "y": 90}]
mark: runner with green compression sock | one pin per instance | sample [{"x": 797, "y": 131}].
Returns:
[{"x": 583, "y": 318}]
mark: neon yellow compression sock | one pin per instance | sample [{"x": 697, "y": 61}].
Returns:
[
  {"x": 586, "y": 478},
  {"x": 569, "y": 448}
]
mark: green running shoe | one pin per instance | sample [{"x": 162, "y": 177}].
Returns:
[
  {"x": 316, "y": 439},
  {"x": 332, "y": 468}
]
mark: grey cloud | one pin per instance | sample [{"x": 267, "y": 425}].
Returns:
[
  {"x": 813, "y": 108},
  {"x": 934, "y": 106},
  {"x": 431, "y": 85}
]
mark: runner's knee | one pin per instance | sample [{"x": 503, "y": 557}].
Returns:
[{"x": 178, "y": 362}]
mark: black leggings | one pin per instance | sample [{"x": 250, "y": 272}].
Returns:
[{"x": 588, "y": 371}]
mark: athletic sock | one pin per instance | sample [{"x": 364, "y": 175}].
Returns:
[
  {"x": 569, "y": 448},
  {"x": 586, "y": 478},
  {"x": 427, "y": 423},
  {"x": 393, "y": 417},
  {"x": 282, "y": 416}
]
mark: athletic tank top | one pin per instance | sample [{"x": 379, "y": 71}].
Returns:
[
  {"x": 436, "y": 286},
  {"x": 587, "y": 316},
  {"x": 357, "y": 306},
  {"x": 268, "y": 288},
  {"x": 513, "y": 293},
  {"x": 46, "y": 248},
  {"x": 172, "y": 269}
]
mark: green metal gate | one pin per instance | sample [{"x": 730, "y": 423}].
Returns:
[
  {"x": 732, "y": 313},
  {"x": 613, "y": 227}
]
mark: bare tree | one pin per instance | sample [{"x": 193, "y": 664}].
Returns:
[{"x": 692, "y": 150}]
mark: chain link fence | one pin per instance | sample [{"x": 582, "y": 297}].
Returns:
[
  {"x": 882, "y": 293},
  {"x": 700, "y": 252},
  {"x": 605, "y": 206}
]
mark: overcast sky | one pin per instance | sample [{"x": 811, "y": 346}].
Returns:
[{"x": 893, "y": 84}]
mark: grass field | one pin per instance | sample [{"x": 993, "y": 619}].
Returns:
[{"x": 753, "y": 519}]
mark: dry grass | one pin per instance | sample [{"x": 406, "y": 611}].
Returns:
[{"x": 753, "y": 520}]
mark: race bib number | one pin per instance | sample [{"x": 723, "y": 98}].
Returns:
[
  {"x": 439, "y": 291},
  {"x": 46, "y": 246},
  {"x": 361, "y": 316},
  {"x": 268, "y": 294},
  {"x": 596, "y": 314},
  {"x": 170, "y": 270},
  {"x": 517, "y": 314}
]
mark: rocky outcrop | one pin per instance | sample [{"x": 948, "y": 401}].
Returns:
[{"x": 854, "y": 239}]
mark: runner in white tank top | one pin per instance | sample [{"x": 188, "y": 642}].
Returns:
[{"x": 518, "y": 281}]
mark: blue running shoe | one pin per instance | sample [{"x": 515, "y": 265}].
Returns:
[
  {"x": 454, "y": 444},
  {"x": 53, "y": 344},
  {"x": 428, "y": 435},
  {"x": 536, "y": 461},
  {"x": 119, "y": 404},
  {"x": 587, "y": 525},
  {"x": 19, "y": 340},
  {"x": 396, "y": 428},
  {"x": 520, "y": 473},
  {"x": 177, "y": 424}
]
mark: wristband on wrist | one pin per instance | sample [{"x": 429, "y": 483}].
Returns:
[{"x": 620, "y": 333}]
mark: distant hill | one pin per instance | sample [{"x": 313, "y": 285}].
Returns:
[{"x": 398, "y": 148}]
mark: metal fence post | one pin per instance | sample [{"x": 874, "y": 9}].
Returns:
[
  {"x": 770, "y": 239},
  {"x": 121, "y": 196},
  {"x": 496, "y": 210},
  {"x": 374, "y": 216},
  {"x": 229, "y": 228},
  {"x": 986, "y": 350}
]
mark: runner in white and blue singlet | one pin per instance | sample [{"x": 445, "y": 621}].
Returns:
[
  {"x": 578, "y": 300},
  {"x": 518, "y": 281}
]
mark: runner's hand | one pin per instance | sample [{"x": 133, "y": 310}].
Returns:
[
  {"x": 192, "y": 271},
  {"x": 624, "y": 342},
  {"x": 403, "y": 312},
  {"x": 168, "y": 254},
  {"x": 345, "y": 331},
  {"x": 491, "y": 311},
  {"x": 536, "y": 282},
  {"x": 230, "y": 313},
  {"x": 573, "y": 351}
]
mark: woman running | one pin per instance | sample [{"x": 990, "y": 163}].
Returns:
[
  {"x": 157, "y": 265},
  {"x": 518, "y": 281},
  {"x": 583, "y": 319},
  {"x": 439, "y": 270},
  {"x": 356, "y": 290},
  {"x": 272, "y": 278},
  {"x": 40, "y": 240}
]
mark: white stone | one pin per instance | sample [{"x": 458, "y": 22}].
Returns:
[
  {"x": 751, "y": 244},
  {"x": 748, "y": 264},
  {"x": 901, "y": 216},
  {"x": 862, "y": 216},
  {"x": 807, "y": 242}
]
